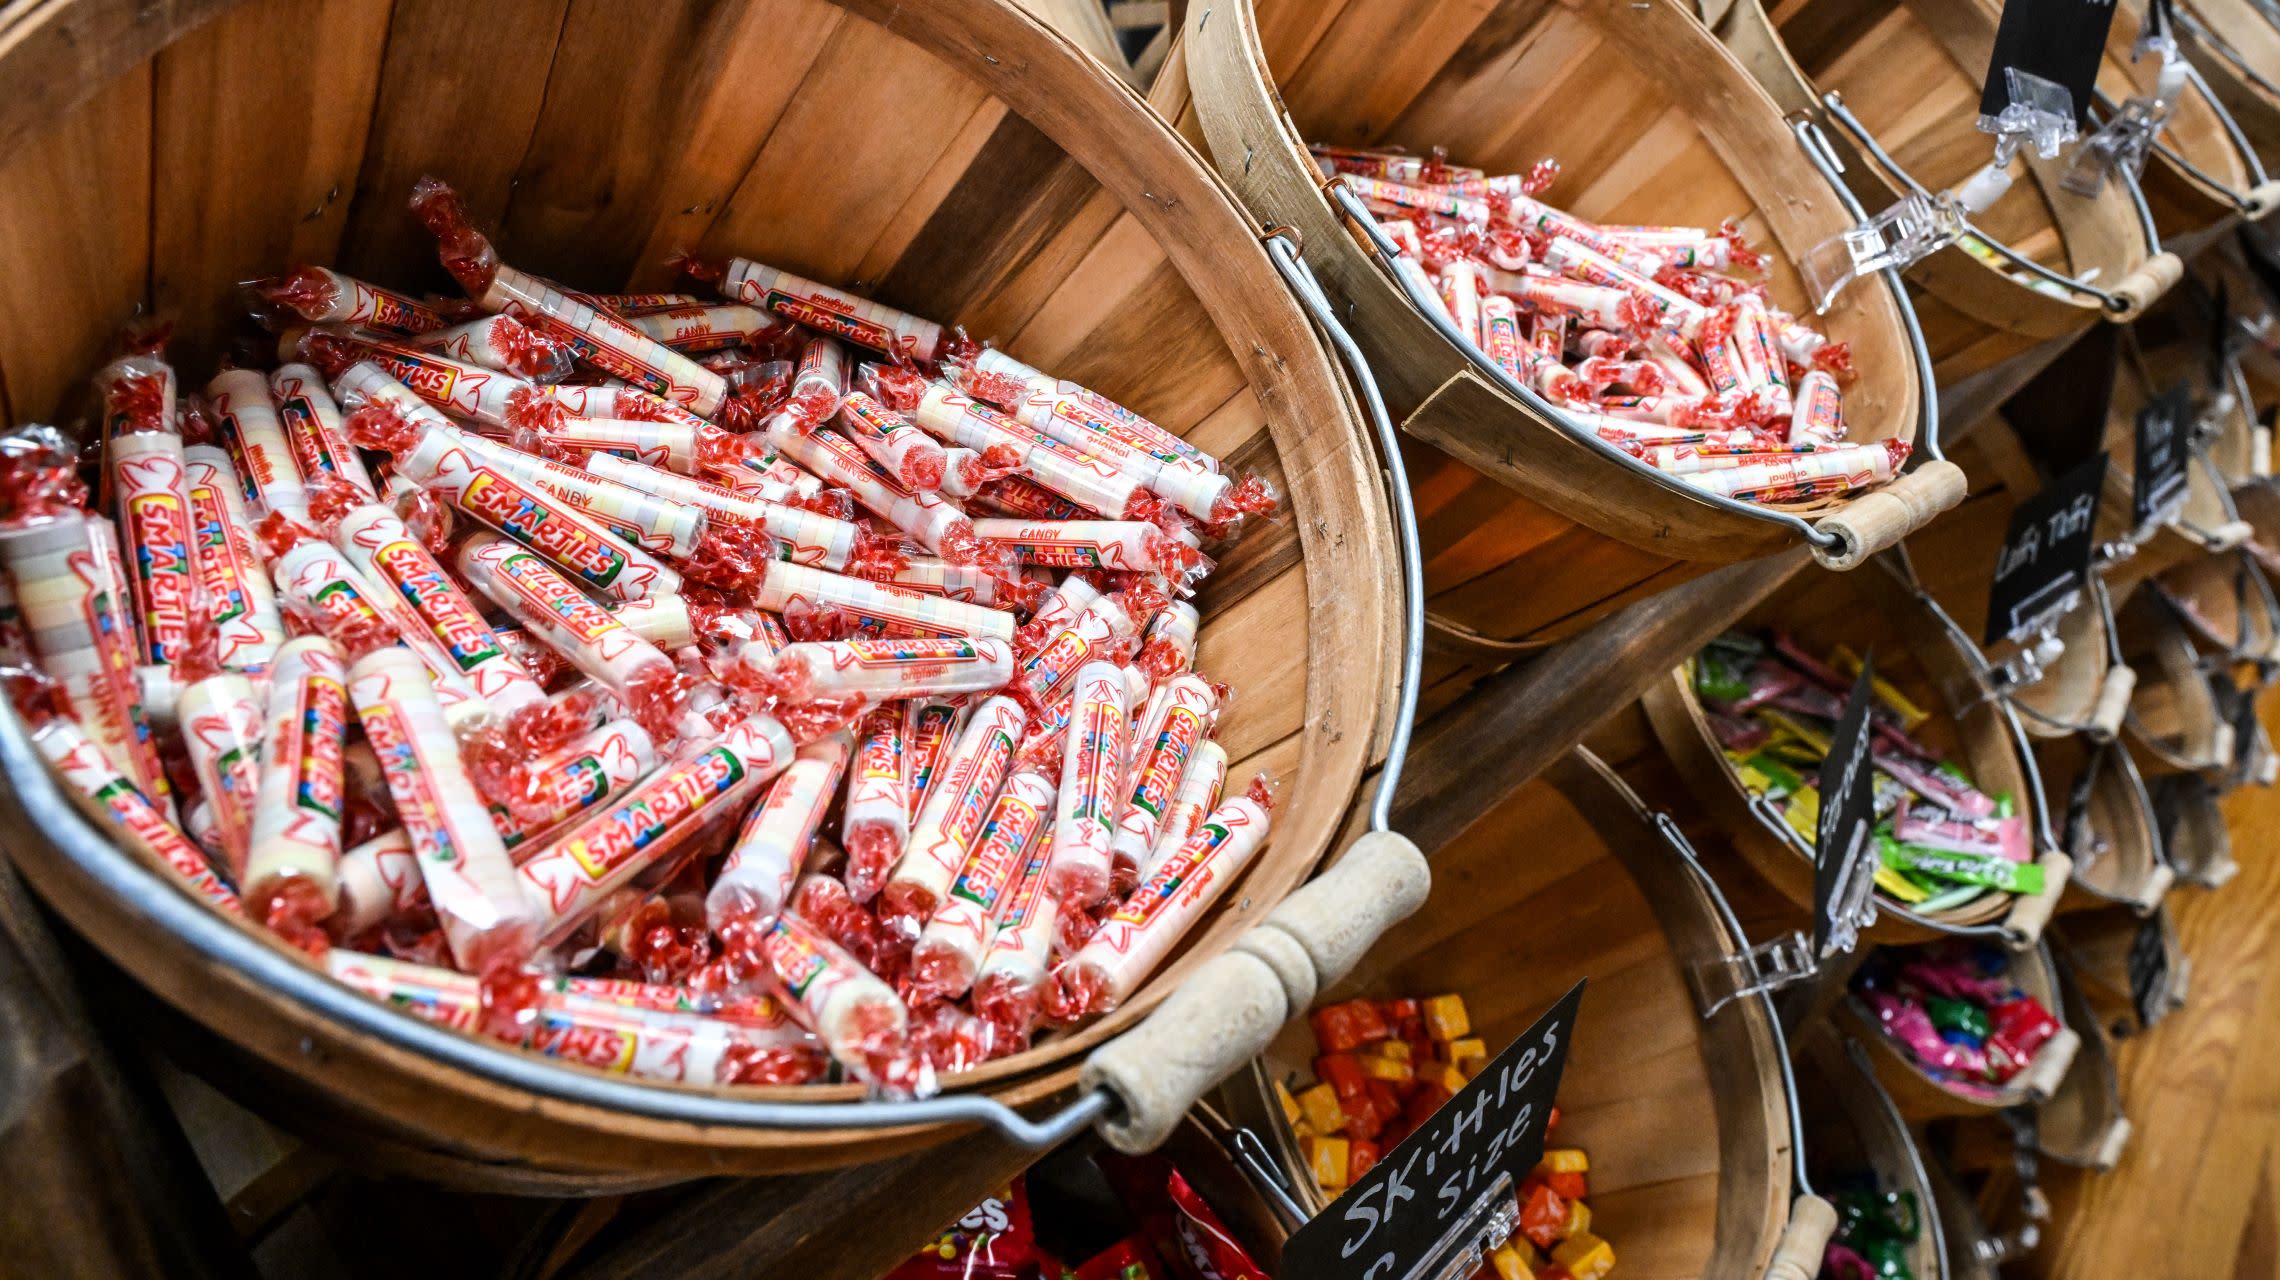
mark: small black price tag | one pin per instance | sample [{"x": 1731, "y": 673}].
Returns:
[
  {"x": 2059, "y": 40},
  {"x": 2046, "y": 552},
  {"x": 2157, "y": 474},
  {"x": 1402, "y": 1213},
  {"x": 2149, "y": 972},
  {"x": 1843, "y": 845}
]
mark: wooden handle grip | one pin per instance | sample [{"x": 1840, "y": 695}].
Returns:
[
  {"x": 1870, "y": 523},
  {"x": 1219, "y": 1019},
  {"x": 1804, "y": 1241},
  {"x": 2030, "y": 913},
  {"x": 2142, "y": 287},
  {"x": 2221, "y": 746},
  {"x": 1341, "y": 913},
  {"x": 1224, "y": 1014},
  {"x": 2155, "y": 888},
  {"x": 2263, "y": 198},
  {"x": 2113, "y": 703},
  {"x": 2052, "y": 1062},
  {"x": 2111, "y": 1145},
  {"x": 2228, "y": 535},
  {"x": 2219, "y": 874},
  {"x": 2260, "y": 451}
]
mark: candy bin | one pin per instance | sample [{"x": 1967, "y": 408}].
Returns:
[
  {"x": 2204, "y": 520},
  {"x": 2194, "y": 838},
  {"x": 2227, "y": 606},
  {"x": 2082, "y": 1123},
  {"x": 2233, "y": 44},
  {"x": 1961, "y": 1027},
  {"x": 2131, "y": 971},
  {"x": 2062, "y": 677},
  {"x": 1863, "y": 1158},
  {"x": 611, "y": 642},
  {"x": 1542, "y": 504},
  {"x": 1600, "y": 892},
  {"x": 2105, "y": 821},
  {"x": 1963, "y": 845},
  {"x": 2175, "y": 723},
  {"x": 1897, "y": 88}
]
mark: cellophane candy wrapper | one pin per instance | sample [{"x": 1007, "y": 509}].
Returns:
[
  {"x": 584, "y": 655},
  {"x": 993, "y": 1241}
]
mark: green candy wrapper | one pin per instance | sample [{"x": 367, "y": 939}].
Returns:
[{"x": 1962, "y": 868}]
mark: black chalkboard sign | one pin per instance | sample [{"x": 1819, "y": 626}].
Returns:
[
  {"x": 2157, "y": 473},
  {"x": 1403, "y": 1212},
  {"x": 2149, "y": 973},
  {"x": 1842, "y": 838},
  {"x": 2059, "y": 40},
  {"x": 2046, "y": 552}
]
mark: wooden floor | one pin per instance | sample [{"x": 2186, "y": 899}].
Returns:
[{"x": 2197, "y": 1193}]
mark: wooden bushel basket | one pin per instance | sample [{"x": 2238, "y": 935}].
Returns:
[
  {"x": 2094, "y": 948},
  {"x": 2085, "y": 690},
  {"x": 1532, "y": 528},
  {"x": 2207, "y": 521},
  {"x": 2194, "y": 833},
  {"x": 955, "y": 158},
  {"x": 2082, "y": 1122},
  {"x": 2174, "y": 725},
  {"x": 1851, "y": 1126},
  {"x": 2237, "y": 50},
  {"x": 1599, "y": 895},
  {"x": 1937, "y": 668},
  {"x": 1920, "y": 1097},
  {"x": 1910, "y": 74},
  {"x": 2202, "y": 174},
  {"x": 2106, "y": 823}
]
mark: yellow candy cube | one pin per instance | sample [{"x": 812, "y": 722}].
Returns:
[
  {"x": 1301, "y": 1130},
  {"x": 1586, "y": 1256},
  {"x": 1510, "y": 1263},
  {"x": 1291, "y": 1112},
  {"x": 1446, "y": 1019},
  {"x": 1392, "y": 1070},
  {"x": 1327, "y": 1158},
  {"x": 1470, "y": 1054},
  {"x": 1578, "y": 1219},
  {"x": 1448, "y": 1075},
  {"x": 1566, "y": 1160},
  {"x": 1398, "y": 1050},
  {"x": 1320, "y": 1106}
]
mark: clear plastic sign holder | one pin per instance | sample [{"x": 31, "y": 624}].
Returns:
[
  {"x": 2121, "y": 144},
  {"x": 1480, "y": 1230}
]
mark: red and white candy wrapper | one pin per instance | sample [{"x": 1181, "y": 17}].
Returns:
[
  {"x": 1168, "y": 646},
  {"x": 379, "y": 881},
  {"x": 467, "y": 473},
  {"x": 379, "y": 544},
  {"x": 237, "y": 589},
  {"x": 1100, "y": 427},
  {"x": 940, "y": 527},
  {"x": 591, "y": 770},
  {"x": 576, "y": 870},
  {"x": 1132, "y": 942},
  {"x": 289, "y": 874},
  {"x": 605, "y": 1031},
  {"x": 828, "y": 310},
  {"x": 1060, "y": 606},
  {"x": 1199, "y": 794},
  {"x": 950, "y": 950},
  {"x": 470, "y": 879},
  {"x": 807, "y": 537},
  {"x": 819, "y": 381},
  {"x": 1104, "y": 629},
  {"x": 566, "y": 619},
  {"x": 755, "y": 880},
  {"x": 154, "y": 524},
  {"x": 313, "y": 432},
  {"x": 76, "y": 614},
  {"x": 673, "y": 446},
  {"x": 614, "y": 400},
  {"x": 1819, "y": 417},
  {"x": 946, "y": 828},
  {"x": 1500, "y": 337},
  {"x": 1009, "y": 988},
  {"x": 860, "y": 1019},
  {"x": 797, "y": 588},
  {"x": 875, "y": 822},
  {"x": 317, "y": 584},
  {"x": 695, "y": 329},
  {"x": 457, "y": 387},
  {"x": 1092, "y": 767},
  {"x": 885, "y": 670},
  {"x": 953, "y": 417},
  {"x": 653, "y": 524},
  {"x": 908, "y": 454},
  {"x": 246, "y": 419},
  {"x": 88, "y": 773},
  {"x": 596, "y": 337},
  {"x": 1179, "y": 723},
  {"x": 663, "y": 621},
  {"x": 930, "y": 729},
  {"x": 220, "y": 718},
  {"x": 321, "y": 295},
  {"x": 971, "y": 584},
  {"x": 1807, "y": 475},
  {"x": 1125, "y": 546},
  {"x": 502, "y": 343}
]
